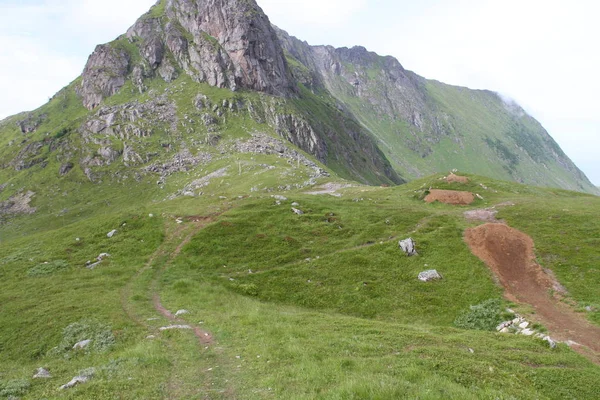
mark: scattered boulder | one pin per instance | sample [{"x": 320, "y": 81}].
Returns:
[
  {"x": 111, "y": 233},
  {"x": 431, "y": 275},
  {"x": 74, "y": 382},
  {"x": 83, "y": 377},
  {"x": 551, "y": 342},
  {"x": 408, "y": 246},
  {"x": 297, "y": 211},
  {"x": 527, "y": 332},
  {"x": 181, "y": 312},
  {"x": 82, "y": 345},
  {"x": 279, "y": 198},
  {"x": 171, "y": 327},
  {"x": 102, "y": 256},
  {"x": 42, "y": 373},
  {"x": 524, "y": 325},
  {"x": 295, "y": 204}
]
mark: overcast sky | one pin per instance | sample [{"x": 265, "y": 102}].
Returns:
[{"x": 542, "y": 53}]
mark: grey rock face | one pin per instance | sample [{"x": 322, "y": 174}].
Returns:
[
  {"x": 31, "y": 123},
  {"x": 225, "y": 43},
  {"x": 18, "y": 204},
  {"x": 408, "y": 247},
  {"x": 431, "y": 275},
  {"x": 240, "y": 38},
  {"x": 104, "y": 74}
]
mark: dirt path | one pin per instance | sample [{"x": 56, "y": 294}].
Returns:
[
  {"x": 198, "y": 223},
  {"x": 176, "y": 238},
  {"x": 509, "y": 253}
]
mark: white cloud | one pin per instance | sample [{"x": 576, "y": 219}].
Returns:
[{"x": 329, "y": 13}]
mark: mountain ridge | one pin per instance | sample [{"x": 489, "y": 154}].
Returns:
[{"x": 362, "y": 114}]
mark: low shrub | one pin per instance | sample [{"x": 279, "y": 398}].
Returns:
[
  {"x": 101, "y": 336},
  {"x": 485, "y": 316},
  {"x": 14, "y": 388}
]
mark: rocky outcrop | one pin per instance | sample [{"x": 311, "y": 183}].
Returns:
[
  {"x": 244, "y": 34},
  {"x": 18, "y": 204},
  {"x": 104, "y": 74},
  {"x": 225, "y": 43},
  {"x": 31, "y": 122}
]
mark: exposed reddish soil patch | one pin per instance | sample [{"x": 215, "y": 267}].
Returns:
[
  {"x": 450, "y": 197},
  {"x": 509, "y": 253},
  {"x": 456, "y": 178}
]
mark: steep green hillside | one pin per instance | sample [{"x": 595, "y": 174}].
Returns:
[{"x": 426, "y": 126}]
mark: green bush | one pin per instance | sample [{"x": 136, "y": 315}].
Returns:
[
  {"x": 482, "y": 317},
  {"x": 14, "y": 388},
  {"x": 88, "y": 329}
]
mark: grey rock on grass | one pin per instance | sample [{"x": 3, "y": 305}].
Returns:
[
  {"x": 42, "y": 373},
  {"x": 408, "y": 246},
  {"x": 431, "y": 275},
  {"x": 82, "y": 345}
]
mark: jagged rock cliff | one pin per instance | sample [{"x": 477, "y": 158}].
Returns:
[{"x": 226, "y": 43}]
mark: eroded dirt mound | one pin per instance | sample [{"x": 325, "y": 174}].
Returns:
[
  {"x": 457, "y": 178},
  {"x": 510, "y": 255},
  {"x": 450, "y": 197}
]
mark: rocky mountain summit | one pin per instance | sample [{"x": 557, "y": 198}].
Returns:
[{"x": 226, "y": 43}]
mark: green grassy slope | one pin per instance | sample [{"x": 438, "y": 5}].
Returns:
[
  {"x": 424, "y": 126},
  {"x": 321, "y": 305}
]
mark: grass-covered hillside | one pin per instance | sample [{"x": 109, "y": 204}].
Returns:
[
  {"x": 321, "y": 305},
  {"x": 425, "y": 126}
]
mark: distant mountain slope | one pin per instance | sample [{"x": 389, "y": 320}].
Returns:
[{"x": 426, "y": 126}]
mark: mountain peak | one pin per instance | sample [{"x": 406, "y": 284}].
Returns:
[{"x": 225, "y": 43}]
